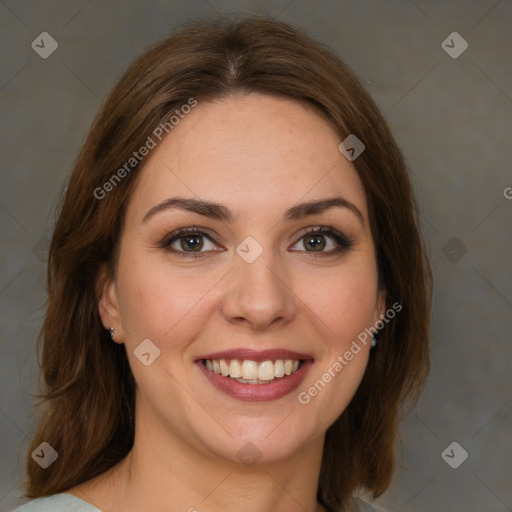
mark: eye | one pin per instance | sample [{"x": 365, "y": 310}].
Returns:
[
  {"x": 189, "y": 242},
  {"x": 192, "y": 242},
  {"x": 324, "y": 240}
]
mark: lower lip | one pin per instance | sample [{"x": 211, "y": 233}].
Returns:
[{"x": 276, "y": 389}]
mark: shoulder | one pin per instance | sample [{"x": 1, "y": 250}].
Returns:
[{"x": 57, "y": 503}]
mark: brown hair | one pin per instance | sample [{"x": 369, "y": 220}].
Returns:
[{"x": 89, "y": 394}]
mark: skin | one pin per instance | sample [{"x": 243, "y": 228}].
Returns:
[{"x": 258, "y": 156}]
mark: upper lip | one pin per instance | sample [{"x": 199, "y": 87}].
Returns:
[{"x": 256, "y": 355}]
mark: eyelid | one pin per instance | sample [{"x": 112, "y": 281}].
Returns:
[
  {"x": 344, "y": 242},
  {"x": 191, "y": 231},
  {"x": 194, "y": 230}
]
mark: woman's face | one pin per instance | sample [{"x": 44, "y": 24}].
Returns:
[{"x": 256, "y": 278}]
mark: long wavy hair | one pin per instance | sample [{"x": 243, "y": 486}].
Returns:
[{"x": 86, "y": 404}]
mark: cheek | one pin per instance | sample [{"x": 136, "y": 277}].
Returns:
[
  {"x": 345, "y": 302},
  {"x": 157, "y": 302},
  {"x": 345, "y": 307}
]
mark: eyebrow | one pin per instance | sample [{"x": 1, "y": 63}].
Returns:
[{"x": 220, "y": 212}]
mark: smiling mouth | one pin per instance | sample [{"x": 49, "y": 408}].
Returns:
[{"x": 247, "y": 371}]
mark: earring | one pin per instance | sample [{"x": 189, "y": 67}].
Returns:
[
  {"x": 111, "y": 330},
  {"x": 374, "y": 341}
]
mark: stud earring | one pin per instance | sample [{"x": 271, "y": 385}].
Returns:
[
  {"x": 374, "y": 341},
  {"x": 111, "y": 330}
]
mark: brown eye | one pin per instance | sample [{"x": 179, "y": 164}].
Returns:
[
  {"x": 324, "y": 240},
  {"x": 316, "y": 242},
  {"x": 195, "y": 243},
  {"x": 189, "y": 241}
]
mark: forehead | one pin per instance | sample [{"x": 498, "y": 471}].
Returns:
[{"x": 253, "y": 153}]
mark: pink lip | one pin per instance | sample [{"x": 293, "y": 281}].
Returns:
[
  {"x": 256, "y": 355},
  {"x": 274, "y": 390}
]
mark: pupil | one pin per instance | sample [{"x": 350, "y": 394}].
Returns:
[
  {"x": 316, "y": 242},
  {"x": 193, "y": 242}
]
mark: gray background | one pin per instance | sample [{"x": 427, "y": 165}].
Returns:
[{"x": 452, "y": 118}]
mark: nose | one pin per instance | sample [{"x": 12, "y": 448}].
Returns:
[{"x": 259, "y": 295}]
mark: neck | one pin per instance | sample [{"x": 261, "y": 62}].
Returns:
[{"x": 167, "y": 478}]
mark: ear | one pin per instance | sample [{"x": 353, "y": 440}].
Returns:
[{"x": 108, "y": 304}]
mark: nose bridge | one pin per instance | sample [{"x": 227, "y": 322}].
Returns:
[{"x": 258, "y": 292}]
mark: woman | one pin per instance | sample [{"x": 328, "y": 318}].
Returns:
[{"x": 238, "y": 290}]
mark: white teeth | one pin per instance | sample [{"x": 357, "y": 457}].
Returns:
[
  {"x": 249, "y": 370},
  {"x": 279, "y": 368},
  {"x": 235, "y": 370},
  {"x": 252, "y": 372},
  {"x": 266, "y": 370},
  {"x": 224, "y": 368}
]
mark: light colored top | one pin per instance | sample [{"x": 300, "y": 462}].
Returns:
[
  {"x": 68, "y": 503},
  {"x": 57, "y": 503}
]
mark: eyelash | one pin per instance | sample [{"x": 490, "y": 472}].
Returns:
[{"x": 342, "y": 240}]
